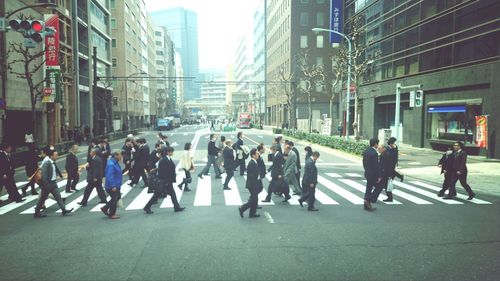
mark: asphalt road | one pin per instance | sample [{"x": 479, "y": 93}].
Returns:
[{"x": 421, "y": 238}]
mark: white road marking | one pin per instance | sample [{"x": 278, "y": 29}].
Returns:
[
  {"x": 426, "y": 193},
  {"x": 362, "y": 188},
  {"x": 460, "y": 196},
  {"x": 268, "y": 217},
  {"x": 232, "y": 197},
  {"x": 140, "y": 201},
  {"x": 351, "y": 197},
  {"x": 354, "y": 175},
  {"x": 49, "y": 202},
  {"x": 203, "y": 196},
  {"x": 125, "y": 188},
  {"x": 333, "y": 175}
]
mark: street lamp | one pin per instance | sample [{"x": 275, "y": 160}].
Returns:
[
  {"x": 348, "y": 98},
  {"x": 126, "y": 97}
]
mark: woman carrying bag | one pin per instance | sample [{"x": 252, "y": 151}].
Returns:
[{"x": 187, "y": 165}]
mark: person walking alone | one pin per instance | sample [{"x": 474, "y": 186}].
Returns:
[
  {"x": 94, "y": 178},
  {"x": 238, "y": 147},
  {"x": 141, "y": 161},
  {"x": 309, "y": 182},
  {"x": 229, "y": 163},
  {"x": 290, "y": 169},
  {"x": 213, "y": 151},
  {"x": 49, "y": 186},
  {"x": 31, "y": 168},
  {"x": 445, "y": 163},
  {"x": 187, "y": 165},
  {"x": 459, "y": 172},
  {"x": 113, "y": 184},
  {"x": 253, "y": 184},
  {"x": 372, "y": 172},
  {"x": 72, "y": 169}
]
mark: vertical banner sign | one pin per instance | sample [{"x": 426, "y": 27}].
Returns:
[
  {"x": 482, "y": 131},
  {"x": 52, "y": 91},
  {"x": 52, "y": 43},
  {"x": 336, "y": 20}
]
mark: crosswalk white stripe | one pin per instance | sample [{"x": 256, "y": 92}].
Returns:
[
  {"x": 203, "y": 196},
  {"x": 262, "y": 195},
  {"x": 167, "y": 202},
  {"x": 13, "y": 205},
  {"x": 321, "y": 197},
  {"x": 334, "y": 175},
  {"x": 18, "y": 185},
  {"x": 232, "y": 197},
  {"x": 294, "y": 200},
  {"x": 125, "y": 188},
  {"x": 354, "y": 175},
  {"x": 49, "y": 202},
  {"x": 362, "y": 189},
  {"x": 426, "y": 193},
  {"x": 460, "y": 196},
  {"x": 140, "y": 200},
  {"x": 73, "y": 204},
  {"x": 351, "y": 197}
]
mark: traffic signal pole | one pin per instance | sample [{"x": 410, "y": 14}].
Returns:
[{"x": 397, "y": 114}]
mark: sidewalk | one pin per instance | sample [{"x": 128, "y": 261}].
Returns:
[{"x": 421, "y": 164}]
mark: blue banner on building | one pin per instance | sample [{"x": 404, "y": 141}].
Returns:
[{"x": 336, "y": 20}]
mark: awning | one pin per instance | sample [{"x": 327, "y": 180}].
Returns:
[{"x": 443, "y": 109}]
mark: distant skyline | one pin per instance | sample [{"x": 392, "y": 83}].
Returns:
[{"x": 220, "y": 25}]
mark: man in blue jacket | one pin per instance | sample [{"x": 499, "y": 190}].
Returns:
[{"x": 113, "y": 184}]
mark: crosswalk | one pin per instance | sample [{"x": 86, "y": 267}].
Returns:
[{"x": 333, "y": 189}]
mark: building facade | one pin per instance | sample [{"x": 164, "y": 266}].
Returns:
[
  {"x": 166, "y": 93},
  {"x": 289, "y": 35},
  {"x": 259, "y": 61},
  {"x": 244, "y": 77},
  {"x": 451, "y": 48},
  {"x": 182, "y": 25}
]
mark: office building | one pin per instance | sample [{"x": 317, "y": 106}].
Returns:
[{"x": 259, "y": 61}]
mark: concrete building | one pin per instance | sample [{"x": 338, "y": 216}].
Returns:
[
  {"x": 133, "y": 49},
  {"x": 166, "y": 93},
  {"x": 288, "y": 34},
  {"x": 182, "y": 25},
  {"x": 451, "y": 48},
  {"x": 49, "y": 117},
  {"x": 212, "y": 102},
  {"x": 243, "y": 97},
  {"x": 259, "y": 61}
]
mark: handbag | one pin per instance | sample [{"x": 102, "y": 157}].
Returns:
[
  {"x": 390, "y": 185},
  {"x": 155, "y": 183}
]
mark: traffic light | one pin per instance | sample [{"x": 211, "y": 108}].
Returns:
[
  {"x": 419, "y": 98},
  {"x": 31, "y": 29}
]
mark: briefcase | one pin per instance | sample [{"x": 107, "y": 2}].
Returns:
[
  {"x": 270, "y": 157},
  {"x": 155, "y": 183}
]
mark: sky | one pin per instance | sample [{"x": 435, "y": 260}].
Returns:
[{"x": 221, "y": 23}]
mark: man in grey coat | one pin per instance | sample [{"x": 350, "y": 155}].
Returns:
[
  {"x": 290, "y": 169},
  {"x": 49, "y": 186},
  {"x": 94, "y": 178}
]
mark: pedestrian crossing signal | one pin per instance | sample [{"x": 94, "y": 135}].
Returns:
[
  {"x": 32, "y": 30},
  {"x": 419, "y": 98}
]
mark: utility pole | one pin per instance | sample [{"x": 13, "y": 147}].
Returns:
[
  {"x": 3, "y": 69},
  {"x": 95, "y": 127},
  {"x": 397, "y": 114}
]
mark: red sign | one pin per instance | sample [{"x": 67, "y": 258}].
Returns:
[
  {"x": 47, "y": 91},
  {"x": 482, "y": 131},
  {"x": 52, "y": 42}
]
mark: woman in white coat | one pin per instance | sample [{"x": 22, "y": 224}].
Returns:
[{"x": 187, "y": 165}]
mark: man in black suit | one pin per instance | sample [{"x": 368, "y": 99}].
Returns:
[
  {"x": 7, "y": 171},
  {"x": 213, "y": 152},
  {"x": 166, "y": 172},
  {"x": 459, "y": 172},
  {"x": 309, "y": 182},
  {"x": 239, "y": 154},
  {"x": 94, "y": 144},
  {"x": 253, "y": 184},
  {"x": 387, "y": 167},
  {"x": 94, "y": 178},
  {"x": 141, "y": 159},
  {"x": 372, "y": 172},
  {"x": 72, "y": 169},
  {"x": 49, "y": 186},
  {"x": 127, "y": 151},
  {"x": 445, "y": 163},
  {"x": 296, "y": 151},
  {"x": 277, "y": 182},
  {"x": 229, "y": 163}
]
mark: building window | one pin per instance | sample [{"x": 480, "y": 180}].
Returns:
[
  {"x": 304, "y": 1},
  {"x": 115, "y": 101},
  {"x": 303, "y": 41},
  {"x": 158, "y": 33},
  {"x": 159, "y": 53},
  {"x": 319, "y": 61},
  {"x": 320, "y": 19},
  {"x": 320, "y": 1},
  {"x": 113, "y": 61},
  {"x": 158, "y": 43},
  {"x": 319, "y": 41},
  {"x": 304, "y": 19},
  {"x": 113, "y": 43},
  {"x": 113, "y": 4},
  {"x": 113, "y": 23}
]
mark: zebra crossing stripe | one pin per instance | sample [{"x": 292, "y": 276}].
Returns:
[
  {"x": 140, "y": 200},
  {"x": 203, "y": 196},
  {"x": 13, "y": 205},
  {"x": 351, "y": 197},
  {"x": 426, "y": 193},
  {"x": 354, "y": 175},
  {"x": 396, "y": 192},
  {"x": 49, "y": 202},
  {"x": 124, "y": 189},
  {"x": 334, "y": 175},
  {"x": 320, "y": 196},
  {"x": 460, "y": 196},
  {"x": 74, "y": 204},
  {"x": 167, "y": 202},
  {"x": 232, "y": 197},
  {"x": 262, "y": 194}
]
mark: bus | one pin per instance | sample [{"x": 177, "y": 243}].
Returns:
[
  {"x": 244, "y": 120},
  {"x": 164, "y": 124}
]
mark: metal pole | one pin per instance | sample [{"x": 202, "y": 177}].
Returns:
[
  {"x": 76, "y": 66},
  {"x": 126, "y": 106},
  {"x": 95, "y": 126},
  {"x": 3, "y": 69},
  {"x": 348, "y": 97},
  {"x": 397, "y": 111}
]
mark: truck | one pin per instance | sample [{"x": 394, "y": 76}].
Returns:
[
  {"x": 164, "y": 124},
  {"x": 244, "y": 120}
]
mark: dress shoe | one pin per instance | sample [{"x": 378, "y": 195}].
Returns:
[
  {"x": 471, "y": 196},
  {"x": 39, "y": 215},
  {"x": 187, "y": 189},
  {"x": 218, "y": 177},
  {"x": 69, "y": 191},
  {"x": 241, "y": 212},
  {"x": 448, "y": 198},
  {"x": 367, "y": 206},
  {"x": 297, "y": 193},
  {"x": 148, "y": 211},
  {"x": 402, "y": 178},
  {"x": 64, "y": 212},
  {"x": 254, "y": 216},
  {"x": 287, "y": 197},
  {"x": 103, "y": 202},
  {"x": 104, "y": 210},
  {"x": 64, "y": 200},
  {"x": 43, "y": 207},
  {"x": 266, "y": 200},
  {"x": 180, "y": 209},
  {"x": 82, "y": 204},
  {"x": 312, "y": 209},
  {"x": 114, "y": 217},
  {"x": 33, "y": 192},
  {"x": 259, "y": 207},
  {"x": 200, "y": 176},
  {"x": 20, "y": 200},
  {"x": 180, "y": 186},
  {"x": 24, "y": 193},
  {"x": 387, "y": 200},
  {"x": 74, "y": 189},
  {"x": 226, "y": 188},
  {"x": 440, "y": 194},
  {"x": 301, "y": 202}
]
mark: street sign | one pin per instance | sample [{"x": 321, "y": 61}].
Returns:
[
  {"x": 412, "y": 99},
  {"x": 29, "y": 43},
  {"x": 327, "y": 126},
  {"x": 2, "y": 24},
  {"x": 47, "y": 91}
]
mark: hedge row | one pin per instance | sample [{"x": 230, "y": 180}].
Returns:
[{"x": 350, "y": 146}]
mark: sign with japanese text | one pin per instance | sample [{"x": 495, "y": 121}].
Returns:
[
  {"x": 482, "y": 131},
  {"x": 52, "y": 42},
  {"x": 336, "y": 20},
  {"x": 52, "y": 90}
]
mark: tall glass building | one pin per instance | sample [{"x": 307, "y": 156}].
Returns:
[{"x": 451, "y": 48}]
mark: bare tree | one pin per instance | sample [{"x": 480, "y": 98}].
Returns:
[
  {"x": 312, "y": 75},
  {"x": 288, "y": 89},
  {"x": 338, "y": 71}
]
